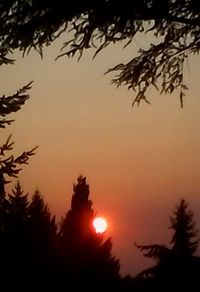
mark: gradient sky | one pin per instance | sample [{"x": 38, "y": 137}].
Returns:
[{"x": 138, "y": 161}]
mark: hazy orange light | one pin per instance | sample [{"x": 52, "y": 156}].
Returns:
[{"x": 100, "y": 224}]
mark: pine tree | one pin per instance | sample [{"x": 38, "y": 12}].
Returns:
[
  {"x": 17, "y": 238},
  {"x": 87, "y": 256},
  {"x": 18, "y": 219},
  {"x": 78, "y": 220},
  {"x": 4, "y": 213},
  {"x": 18, "y": 204},
  {"x": 42, "y": 242},
  {"x": 4, "y": 209},
  {"x": 43, "y": 226},
  {"x": 184, "y": 240},
  {"x": 13, "y": 223},
  {"x": 177, "y": 267}
]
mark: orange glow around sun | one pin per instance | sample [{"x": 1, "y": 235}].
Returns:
[{"x": 100, "y": 224}]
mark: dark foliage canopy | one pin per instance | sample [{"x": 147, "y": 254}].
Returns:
[{"x": 173, "y": 24}]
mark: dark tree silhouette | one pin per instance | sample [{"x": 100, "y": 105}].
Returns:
[
  {"x": 86, "y": 256},
  {"x": 34, "y": 255},
  {"x": 43, "y": 226},
  {"x": 17, "y": 238},
  {"x": 177, "y": 267},
  {"x": 10, "y": 167},
  {"x": 174, "y": 25},
  {"x": 4, "y": 213},
  {"x": 184, "y": 240},
  {"x": 43, "y": 232},
  {"x": 18, "y": 204}
]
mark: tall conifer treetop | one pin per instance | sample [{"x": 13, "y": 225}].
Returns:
[{"x": 184, "y": 240}]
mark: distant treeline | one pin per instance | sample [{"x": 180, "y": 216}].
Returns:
[{"x": 36, "y": 253}]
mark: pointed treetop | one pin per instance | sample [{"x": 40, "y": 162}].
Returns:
[
  {"x": 19, "y": 202},
  {"x": 18, "y": 192},
  {"x": 184, "y": 240},
  {"x": 81, "y": 193},
  {"x": 38, "y": 206}
]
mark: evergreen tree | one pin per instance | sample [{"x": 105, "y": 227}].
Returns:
[
  {"x": 18, "y": 238},
  {"x": 43, "y": 226},
  {"x": 4, "y": 213},
  {"x": 10, "y": 165},
  {"x": 18, "y": 221},
  {"x": 13, "y": 210},
  {"x": 18, "y": 204},
  {"x": 42, "y": 242},
  {"x": 184, "y": 240},
  {"x": 87, "y": 256},
  {"x": 78, "y": 221},
  {"x": 177, "y": 267},
  {"x": 4, "y": 209}
]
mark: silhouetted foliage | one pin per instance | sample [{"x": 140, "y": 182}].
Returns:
[
  {"x": 184, "y": 240},
  {"x": 177, "y": 267},
  {"x": 10, "y": 166},
  {"x": 17, "y": 237},
  {"x": 173, "y": 27},
  {"x": 14, "y": 217},
  {"x": 43, "y": 226},
  {"x": 42, "y": 242},
  {"x": 33, "y": 254},
  {"x": 27, "y": 242},
  {"x": 18, "y": 204},
  {"x": 86, "y": 256}
]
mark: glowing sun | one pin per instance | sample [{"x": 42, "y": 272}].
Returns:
[{"x": 100, "y": 224}]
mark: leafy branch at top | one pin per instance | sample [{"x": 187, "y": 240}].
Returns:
[
  {"x": 10, "y": 165},
  {"x": 174, "y": 25},
  {"x": 13, "y": 103}
]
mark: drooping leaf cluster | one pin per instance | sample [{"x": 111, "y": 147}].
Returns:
[{"x": 174, "y": 26}]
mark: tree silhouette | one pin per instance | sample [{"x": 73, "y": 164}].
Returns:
[
  {"x": 12, "y": 218},
  {"x": 85, "y": 255},
  {"x": 10, "y": 166},
  {"x": 17, "y": 238},
  {"x": 18, "y": 204},
  {"x": 175, "y": 26},
  {"x": 177, "y": 267},
  {"x": 184, "y": 240},
  {"x": 42, "y": 242},
  {"x": 43, "y": 226},
  {"x": 34, "y": 255}
]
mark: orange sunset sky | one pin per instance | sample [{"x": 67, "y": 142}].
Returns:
[{"x": 138, "y": 161}]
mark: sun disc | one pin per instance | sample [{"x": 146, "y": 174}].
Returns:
[{"x": 100, "y": 224}]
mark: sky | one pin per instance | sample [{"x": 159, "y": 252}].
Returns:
[{"x": 139, "y": 161}]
